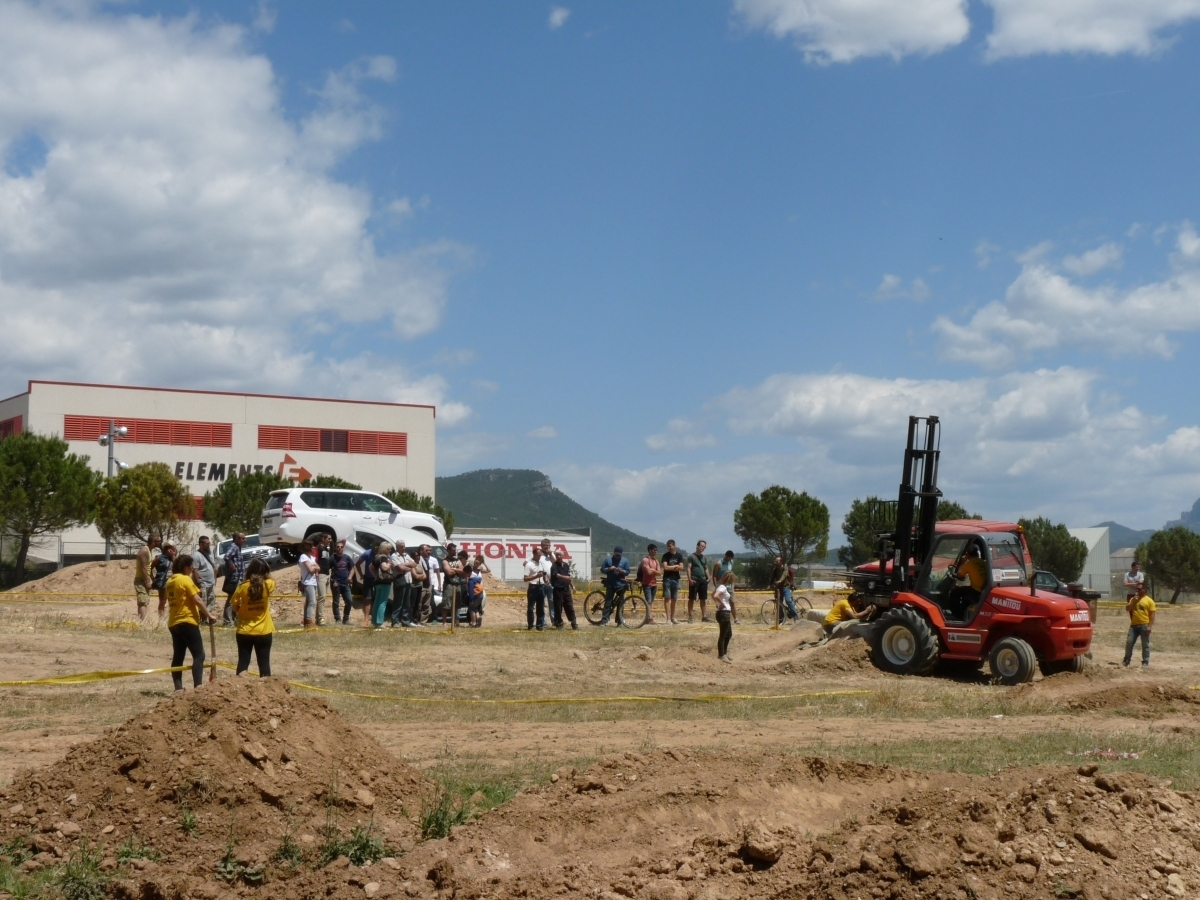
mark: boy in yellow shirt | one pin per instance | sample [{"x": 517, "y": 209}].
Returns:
[{"x": 1141, "y": 621}]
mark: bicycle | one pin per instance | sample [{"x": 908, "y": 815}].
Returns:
[
  {"x": 630, "y": 603},
  {"x": 770, "y": 611}
]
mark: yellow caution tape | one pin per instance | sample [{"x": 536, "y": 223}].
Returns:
[{"x": 86, "y": 677}]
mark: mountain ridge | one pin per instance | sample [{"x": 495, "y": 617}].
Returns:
[{"x": 526, "y": 498}]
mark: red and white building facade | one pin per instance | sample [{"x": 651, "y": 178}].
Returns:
[{"x": 205, "y": 437}]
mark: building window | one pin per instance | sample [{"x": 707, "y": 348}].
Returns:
[
  {"x": 10, "y": 427},
  {"x": 327, "y": 440},
  {"x": 152, "y": 431}
]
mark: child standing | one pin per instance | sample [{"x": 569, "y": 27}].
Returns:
[
  {"x": 186, "y": 611},
  {"x": 252, "y": 605},
  {"x": 1141, "y": 621},
  {"x": 474, "y": 597},
  {"x": 647, "y": 574},
  {"x": 722, "y": 597}
]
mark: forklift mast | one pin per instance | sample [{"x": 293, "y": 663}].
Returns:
[{"x": 916, "y": 507}]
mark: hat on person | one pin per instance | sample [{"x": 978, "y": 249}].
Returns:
[{"x": 618, "y": 550}]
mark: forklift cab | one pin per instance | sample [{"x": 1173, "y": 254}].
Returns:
[{"x": 1000, "y": 555}]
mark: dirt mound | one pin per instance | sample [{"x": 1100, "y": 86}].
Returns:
[
  {"x": 842, "y": 655},
  {"x": 89, "y": 579},
  {"x": 1153, "y": 700},
  {"x": 239, "y": 781},
  {"x": 703, "y": 827}
]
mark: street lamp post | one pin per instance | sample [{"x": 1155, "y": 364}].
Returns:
[{"x": 109, "y": 440}]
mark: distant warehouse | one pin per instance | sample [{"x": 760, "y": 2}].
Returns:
[{"x": 206, "y": 437}]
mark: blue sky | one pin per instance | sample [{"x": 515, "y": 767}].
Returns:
[{"x": 666, "y": 253}]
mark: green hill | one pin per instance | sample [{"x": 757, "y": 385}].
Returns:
[
  {"x": 1120, "y": 537},
  {"x": 525, "y": 498}
]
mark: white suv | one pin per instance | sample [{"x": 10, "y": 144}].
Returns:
[{"x": 293, "y": 515}]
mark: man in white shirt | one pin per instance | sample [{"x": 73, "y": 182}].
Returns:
[
  {"x": 537, "y": 575},
  {"x": 1133, "y": 579}
]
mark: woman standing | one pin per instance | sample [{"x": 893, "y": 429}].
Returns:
[
  {"x": 186, "y": 612},
  {"x": 252, "y": 605},
  {"x": 385, "y": 573},
  {"x": 310, "y": 571}
]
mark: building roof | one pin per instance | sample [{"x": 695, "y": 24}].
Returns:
[{"x": 130, "y": 387}]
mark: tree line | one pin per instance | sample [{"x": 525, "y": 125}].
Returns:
[{"x": 44, "y": 489}]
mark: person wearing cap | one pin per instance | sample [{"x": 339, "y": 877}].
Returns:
[
  {"x": 162, "y": 574},
  {"x": 615, "y": 570},
  {"x": 560, "y": 579}
]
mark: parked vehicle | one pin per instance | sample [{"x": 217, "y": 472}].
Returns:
[
  {"x": 1048, "y": 581},
  {"x": 296, "y": 514},
  {"x": 252, "y": 549},
  {"x": 927, "y": 616}
]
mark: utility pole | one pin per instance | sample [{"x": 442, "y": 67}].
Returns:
[{"x": 109, "y": 440}]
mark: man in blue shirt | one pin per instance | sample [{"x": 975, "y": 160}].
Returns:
[{"x": 615, "y": 570}]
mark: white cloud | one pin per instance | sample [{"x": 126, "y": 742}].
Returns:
[
  {"x": 544, "y": 433},
  {"x": 1106, "y": 256},
  {"x": 680, "y": 434},
  {"x": 984, "y": 251},
  {"x": 177, "y": 203},
  {"x": 833, "y": 31},
  {"x": 265, "y": 18},
  {"x": 1027, "y": 443},
  {"x": 1107, "y": 27},
  {"x": 558, "y": 17},
  {"x": 1044, "y": 310},
  {"x": 892, "y": 288}
]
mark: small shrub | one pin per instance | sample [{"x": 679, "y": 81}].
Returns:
[
  {"x": 187, "y": 822},
  {"x": 80, "y": 877},
  {"x": 443, "y": 814},
  {"x": 132, "y": 848}
]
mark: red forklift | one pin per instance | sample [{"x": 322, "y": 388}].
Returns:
[{"x": 932, "y": 612}]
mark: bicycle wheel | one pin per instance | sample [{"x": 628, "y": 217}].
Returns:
[
  {"x": 593, "y": 607},
  {"x": 802, "y": 602},
  {"x": 770, "y": 613},
  {"x": 635, "y": 611}
]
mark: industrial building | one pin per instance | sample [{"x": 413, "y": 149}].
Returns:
[{"x": 206, "y": 437}]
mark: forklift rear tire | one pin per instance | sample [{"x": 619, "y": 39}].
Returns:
[
  {"x": 903, "y": 643},
  {"x": 1012, "y": 661},
  {"x": 1074, "y": 664}
]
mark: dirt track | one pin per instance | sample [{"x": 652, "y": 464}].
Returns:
[{"x": 705, "y": 770}]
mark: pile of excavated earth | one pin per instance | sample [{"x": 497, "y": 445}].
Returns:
[
  {"x": 242, "y": 788},
  {"x": 199, "y": 795}
]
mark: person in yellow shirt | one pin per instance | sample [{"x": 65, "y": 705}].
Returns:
[
  {"x": 252, "y": 606},
  {"x": 1141, "y": 621},
  {"x": 185, "y": 612},
  {"x": 844, "y": 616}
]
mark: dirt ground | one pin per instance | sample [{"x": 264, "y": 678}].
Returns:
[{"x": 641, "y": 765}]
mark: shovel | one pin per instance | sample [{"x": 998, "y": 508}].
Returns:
[{"x": 212, "y": 639}]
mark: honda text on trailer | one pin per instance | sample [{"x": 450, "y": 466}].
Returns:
[{"x": 928, "y": 614}]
